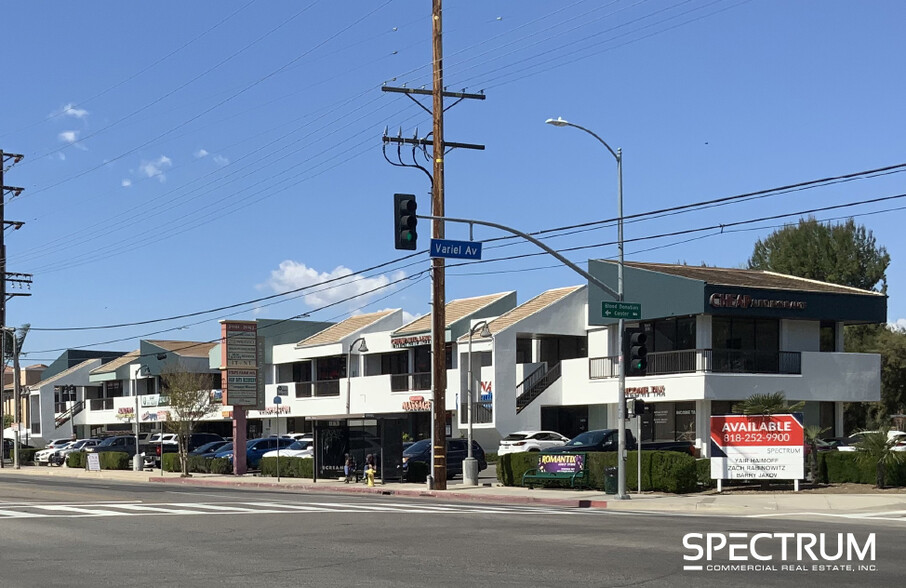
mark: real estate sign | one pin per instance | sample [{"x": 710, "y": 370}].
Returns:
[
  {"x": 241, "y": 365},
  {"x": 745, "y": 447}
]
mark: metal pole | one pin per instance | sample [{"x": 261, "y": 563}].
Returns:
[
  {"x": 621, "y": 393},
  {"x": 638, "y": 439},
  {"x": 137, "y": 459},
  {"x": 3, "y": 364},
  {"x": 469, "y": 464},
  {"x": 16, "y": 408}
]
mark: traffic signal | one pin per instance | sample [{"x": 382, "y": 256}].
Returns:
[
  {"x": 638, "y": 353},
  {"x": 404, "y": 221},
  {"x": 638, "y": 407}
]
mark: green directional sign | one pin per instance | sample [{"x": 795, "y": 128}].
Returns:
[{"x": 621, "y": 310}]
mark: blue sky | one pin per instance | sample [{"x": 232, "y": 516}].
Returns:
[{"x": 182, "y": 156}]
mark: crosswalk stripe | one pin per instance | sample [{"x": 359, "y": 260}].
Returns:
[
  {"x": 16, "y": 515},
  {"x": 85, "y": 511},
  {"x": 216, "y": 507},
  {"x": 157, "y": 509}
]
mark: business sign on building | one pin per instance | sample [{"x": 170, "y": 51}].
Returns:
[
  {"x": 745, "y": 447},
  {"x": 241, "y": 364},
  {"x": 413, "y": 341}
]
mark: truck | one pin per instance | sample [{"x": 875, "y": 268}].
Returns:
[{"x": 606, "y": 440}]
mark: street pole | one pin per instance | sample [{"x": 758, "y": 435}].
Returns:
[
  {"x": 621, "y": 391},
  {"x": 16, "y": 408},
  {"x": 470, "y": 464},
  {"x": 137, "y": 459},
  {"x": 438, "y": 316}
]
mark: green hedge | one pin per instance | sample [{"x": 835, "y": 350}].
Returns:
[
  {"x": 703, "y": 469},
  {"x": 27, "y": 455},
  {"x": 416, "y": 472},
  {"x": 662, "y": 471},
  {"x": 76, "y": 459},
  {"x": 491, "y": 457},
  {"x": 838, "y": 467},
  {"x": 290, "y": 467},
  {"x": 115, "y": 460},
  {"x": 171, "y": 463}
]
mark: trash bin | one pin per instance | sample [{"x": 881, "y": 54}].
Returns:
[{"x": 610, "y": 480}]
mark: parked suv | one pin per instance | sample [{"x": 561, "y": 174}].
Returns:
[
  {"x": 195, "y": 440},
  {"x": 456, "y": 452}
]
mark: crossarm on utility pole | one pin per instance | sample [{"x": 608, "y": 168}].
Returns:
[{"x": 531, "y": 239}]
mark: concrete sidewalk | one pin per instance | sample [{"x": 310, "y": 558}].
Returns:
[{"x": 757, "y": 504}]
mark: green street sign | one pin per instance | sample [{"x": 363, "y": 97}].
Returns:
[{"x": 621, "y": 310}]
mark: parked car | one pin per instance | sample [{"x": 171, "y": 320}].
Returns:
[
  {"x": 849, "y": 443},
  {"x": 121, "y": 443},
  {"x": 58, "y": 457},
  {"x": 8, "y": 447},
  {"x": 456, "y": 452},
  {"x": 209, "y": 449},
  {"x": 530, "y": 441},
  {"x": 606, "y": 440},
  {"x": 43, "y": 456},
  {"x": 255, "y": 448},
  {"x": 296, "y": 449},
  {"x": 194, "y": 441}
]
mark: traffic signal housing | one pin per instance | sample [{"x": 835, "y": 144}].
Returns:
[
  {"x": 638, "y": 407},
  {"x": 638, "y": 354},
  {"x": 404, "y": 221}
]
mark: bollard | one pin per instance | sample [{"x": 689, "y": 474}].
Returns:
[{"x": 369, "y": 473}]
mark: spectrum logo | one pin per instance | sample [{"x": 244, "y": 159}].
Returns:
[{"x": 779, "y": 552}]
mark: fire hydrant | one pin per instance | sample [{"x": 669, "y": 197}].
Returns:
[{"x": 369, "y": 475}]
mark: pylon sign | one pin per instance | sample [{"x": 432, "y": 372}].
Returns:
[
  {"x": 749, "y": 447},
  {"x": 239, "y": 364}
]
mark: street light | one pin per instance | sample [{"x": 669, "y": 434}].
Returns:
[
  {"x": 621, "y": 393},
  {"x": 137, "y": 458},
  {"x": 362, "y": 349},
  {"x": 470, "y": 464}
]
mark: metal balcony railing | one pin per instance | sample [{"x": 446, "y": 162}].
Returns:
[{"x": 732, "y": 361}]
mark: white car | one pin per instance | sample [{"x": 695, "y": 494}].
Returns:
[
  {"x": 43, "y": 457},
  {"x": 530, "y": 441},
  {"x": 296, "y": 449},
  {"x": 59, "y": 456},
  {"x": 892, "y": 436}
]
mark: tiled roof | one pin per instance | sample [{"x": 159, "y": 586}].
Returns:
[
  {"x": 527, "y": 309},
  {"x": 456, "y": 310},
  {"x": 63, "y": 374},
  {"x": 112, "y": 366},
  {"x": 746, "y": 278},
  {"x": 338, "y": 332},
  {"x": 185, "y": 348}
]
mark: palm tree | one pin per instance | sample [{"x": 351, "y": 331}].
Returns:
[
  {"x": 876, "y": 449},
  {"x": 812, "y": 434},
  {"x": 766, "y": 405}
]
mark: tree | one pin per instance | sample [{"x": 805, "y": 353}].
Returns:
[
  {"x": 837, "y": 253},
  {"x": 190, "y": 403},
  {"x": 890, "y": 343},
  {"x": 876, "y": 449},
  {"x": 812, "y": 435},
  {"x": 766, "y": 405}
]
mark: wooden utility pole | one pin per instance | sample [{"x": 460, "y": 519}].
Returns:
[{"x": 439, "y": 307}]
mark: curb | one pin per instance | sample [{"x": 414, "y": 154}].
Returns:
[{"x": 435, "y": 494}]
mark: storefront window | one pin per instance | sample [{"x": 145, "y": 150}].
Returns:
[{"x": 669, "y": 421}]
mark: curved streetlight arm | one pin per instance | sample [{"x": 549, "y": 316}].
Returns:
[{"x": 562, "y": 123}]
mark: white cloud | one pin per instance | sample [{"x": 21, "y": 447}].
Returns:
[
  {"x": 221, "y": 160},
  {"x": 69, "y": 136},
  {"x": 291, "y": 275},
  {"x": 71, "y": 110},
  {"x": 899, "y": 324},
  {"x": 126, "y": 183},
  {"x": 201, "y": 153},
  {"x": 156, "y": 167},
  {"x": 61, "y": 156}
]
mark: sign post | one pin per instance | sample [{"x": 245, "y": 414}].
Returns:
[{"x": 745, "y": 447}]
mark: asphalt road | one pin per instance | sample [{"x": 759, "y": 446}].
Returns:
[{"x": 74, "y": 533}]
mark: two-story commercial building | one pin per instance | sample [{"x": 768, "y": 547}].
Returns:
[{"x": 715, "y": 337}]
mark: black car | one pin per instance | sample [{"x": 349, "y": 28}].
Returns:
[
  {"x": 457, "y": 451},
  {"x": 597, "y": 440},
  {"x": 209, "y": 449}
]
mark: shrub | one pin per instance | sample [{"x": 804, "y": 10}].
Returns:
[
  {"x": 511, "y": 466},
  {"x": 220, "y": 465},
  {"x": 27, "y": 455},
  {"x": 171, "y": 462},
  {"x": 76, "y": 459},
  {"x": 416, "y": 472},
  {"x": 843, "y": 466},
  {"x": 662, "y": 471},
  {"x": 290, "y": 467},
  {"x": 115, "y": 460},
  {"x": 703, "y": 469},
  {"x": 491, "y": 457}
]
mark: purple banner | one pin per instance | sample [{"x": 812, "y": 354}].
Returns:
[{"x": 561, "y": 463}]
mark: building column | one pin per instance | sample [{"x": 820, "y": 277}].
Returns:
[
  {"x": 838, "y": 419},
  {"x": 703, "y": 427},
  {"x": 536, "y": 350}
]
